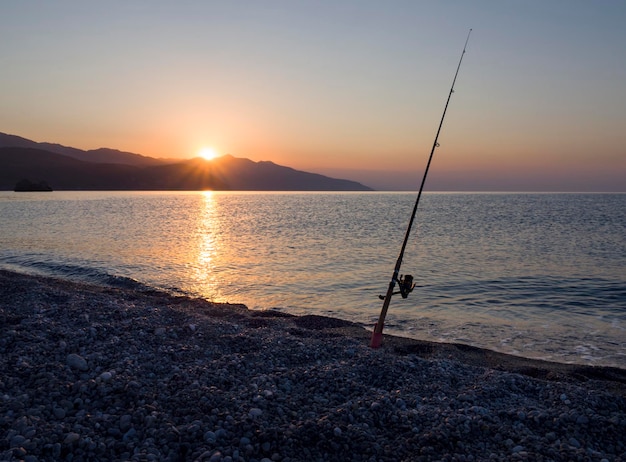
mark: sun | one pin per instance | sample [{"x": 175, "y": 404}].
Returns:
[{"x": 207, "y": 153}]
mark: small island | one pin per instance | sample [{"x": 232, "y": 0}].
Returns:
[{"x": 25, "y": 185}]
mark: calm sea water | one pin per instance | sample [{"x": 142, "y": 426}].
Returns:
[{"x": 536, "y": 275}]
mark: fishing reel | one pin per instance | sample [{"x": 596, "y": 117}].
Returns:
[{"x": 405, "y": 284}]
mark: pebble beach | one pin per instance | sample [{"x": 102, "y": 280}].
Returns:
[{"x": 95, "y": 373}]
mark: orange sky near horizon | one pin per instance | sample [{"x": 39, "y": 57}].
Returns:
[{"x": 353, "y": 87}]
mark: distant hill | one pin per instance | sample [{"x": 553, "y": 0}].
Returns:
[
  {"x": 64, "y": 172},
  {"x": 101, "y": 155},
  {"x": 244, "y": 174}
]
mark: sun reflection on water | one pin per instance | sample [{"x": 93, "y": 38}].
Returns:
[{"x": 206, "y": 234}]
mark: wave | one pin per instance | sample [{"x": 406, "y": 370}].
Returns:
[
  {"x": 534, "y": 295},
  {"x": 87, "y": 272}
]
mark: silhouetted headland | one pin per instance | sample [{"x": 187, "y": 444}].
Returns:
[{"x": 107, "y": 169}]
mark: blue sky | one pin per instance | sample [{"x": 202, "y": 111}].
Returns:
[{"x": 350, "y": 88}]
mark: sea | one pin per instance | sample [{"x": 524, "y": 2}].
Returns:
[{"x": 535, "y": 275}]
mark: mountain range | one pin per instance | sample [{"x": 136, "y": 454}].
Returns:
[{"x": 67, "y": 168}]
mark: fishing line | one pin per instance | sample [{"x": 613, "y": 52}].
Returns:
[{"x": 405, "y": 283}]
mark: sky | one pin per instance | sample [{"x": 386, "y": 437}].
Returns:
[{"x": 349, "y": 88}]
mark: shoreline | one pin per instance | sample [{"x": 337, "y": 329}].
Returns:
[{"x": 96, "y": 372}]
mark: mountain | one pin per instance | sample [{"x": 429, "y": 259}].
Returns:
[
  {"x": 242, "y": 174},
  {"x": 60, "y": 171},
  {"x": 101, "y": 155},
  {"x": 64, "y": 172}
]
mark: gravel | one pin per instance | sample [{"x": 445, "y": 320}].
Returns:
[{"x": 94, "y": 373}]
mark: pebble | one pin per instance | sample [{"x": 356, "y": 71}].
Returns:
[
  {"x": 17, "y": 440},
  {"x": 129, "y": 435},
  {"x": 239, "y": 387},
  {"x": 255, "y": 412},
  {"x": 77, "y": 362},
  {"x": 125, "y": 422},
  {"x": 71, "y": 438},
  {"x": 574, "y": 442}
]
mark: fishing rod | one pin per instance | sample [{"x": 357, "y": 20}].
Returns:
[{"x": 405, "y": 282}]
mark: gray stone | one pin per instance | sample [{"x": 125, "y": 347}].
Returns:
[
  {"x": 125, "y": 422},
  {"x": 210, "y": 437},
  {"x": 17, "y": 441},
  {"x": 77, "y": 362},
  {"x": 71, "y": 438},
  {"x": 574, "y": 442},
  {"x": 255, "y": 412}
]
